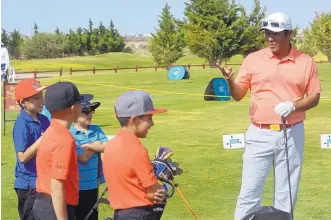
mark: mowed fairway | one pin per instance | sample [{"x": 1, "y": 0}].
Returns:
[{"x": 193, "y": 128}]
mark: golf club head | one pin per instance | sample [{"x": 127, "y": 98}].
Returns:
[
  {"x": 176, "y": 169},
  {"x": 163, "y": 153}
]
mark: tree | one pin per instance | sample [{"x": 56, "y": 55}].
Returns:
[
  {"x": 91, "y": 40},
  {"x": 116, "y": 41},
  {"x": 5, "y": 37},
  {"x": 15, "y": 44},
  {"x": 308, "y": 45},
  {"x": 321, "y": 33},
  {"x": 88, "y": 38},
  {"x": 167, "y": 43},
  {"x": 295, "y": 40},
  {"x": 253, "y": 38},
  {"x": 42, "y": 46},
  {"x": 102, "y": 45},
  {"x": 80, "y": 40},
  {"x": 215, "y": 29},
  {"x": 35, "y": 29},
  {"x": 57, "y": 31}
]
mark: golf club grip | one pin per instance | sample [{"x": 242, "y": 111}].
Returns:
[{"x": 171, "y": 184}]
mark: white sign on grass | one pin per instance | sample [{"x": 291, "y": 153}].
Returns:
[
  {"x": 325, "y": 140},
  {"x": 234, "y": 141}
]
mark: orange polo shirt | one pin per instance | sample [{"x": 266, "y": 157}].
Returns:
[
  {"x": 272, "y": 81},
  {"x": 128, "y": 171},
  {"x": 57, "y": 159}
]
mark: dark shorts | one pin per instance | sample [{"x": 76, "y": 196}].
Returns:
[
  {"x": 140, "y": 213},
  {"x": 43, "y": 208},
  {"x": 26, "y": 200},
  {"x": 87, "y": 199}
]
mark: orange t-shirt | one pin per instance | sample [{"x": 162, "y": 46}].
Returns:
[
  {"x": 272, "y": 81},
  {"x": 128, "y": 171},
  {"x": 57, "y": 159}
]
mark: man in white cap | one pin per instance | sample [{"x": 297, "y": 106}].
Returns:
[
  {"x": 4, "y": 61},
  {"x": 284, "y": 83}
]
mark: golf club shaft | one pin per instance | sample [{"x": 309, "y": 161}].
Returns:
[
  {"x": 288, "y": 166},
  {"x": 96, "y": 204},
  {"x": 186, "y": 203}
]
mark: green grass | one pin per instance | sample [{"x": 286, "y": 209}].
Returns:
[
  {"x": 193, "y": 128},
  {"x": 109, "y": 60}
]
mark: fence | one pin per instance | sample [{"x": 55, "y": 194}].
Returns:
[{"x": 94, "y": 70}]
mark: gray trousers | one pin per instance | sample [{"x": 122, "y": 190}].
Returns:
[{"x": 264, "y": 149}]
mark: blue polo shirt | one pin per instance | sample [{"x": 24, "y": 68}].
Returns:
[
  {"x": 88, "y": 172},
  {"x": 25, "y": 132},
  {"x": 46, "y": 113}
]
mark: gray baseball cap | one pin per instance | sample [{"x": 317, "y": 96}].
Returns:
[{"x": 135, "y": 103}]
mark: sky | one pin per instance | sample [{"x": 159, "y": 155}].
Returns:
[{"x": 129, "y": 16}]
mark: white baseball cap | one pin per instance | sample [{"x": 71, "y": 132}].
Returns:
[{"x": 276, "y": 22}]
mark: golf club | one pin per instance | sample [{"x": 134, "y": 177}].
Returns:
[
  {"x": 288, "y": 165},
  {"x": 96, "y": 204}
]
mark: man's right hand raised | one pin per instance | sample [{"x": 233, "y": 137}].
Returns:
[{"x": 227, "y": 72}]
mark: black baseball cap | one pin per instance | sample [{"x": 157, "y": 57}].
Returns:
[
  {"x": 88, "y": 104},
  {"x": 62, "y": 95}
]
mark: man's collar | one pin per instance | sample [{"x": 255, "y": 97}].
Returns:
[{"x": 291, "y": 55}]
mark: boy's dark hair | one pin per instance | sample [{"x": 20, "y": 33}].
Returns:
[{"x": 124, "y": 121}]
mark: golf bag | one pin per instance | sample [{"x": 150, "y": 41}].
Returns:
[
  {"x": 165, "y": 170},
  {"x": 271, "y": 213},
  {"x": 268, "y": 213}
]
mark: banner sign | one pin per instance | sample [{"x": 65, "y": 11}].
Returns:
[{"x": 10, "y": 104}]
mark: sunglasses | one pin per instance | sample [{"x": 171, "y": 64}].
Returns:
[
  {"x": 87, "y": 111},
  {"x": 272, "y": 24}
]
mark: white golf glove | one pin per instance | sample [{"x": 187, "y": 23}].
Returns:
[{"x": 284, "y": 109}]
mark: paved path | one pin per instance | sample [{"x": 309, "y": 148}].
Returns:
[{"x": 39, "y": 75}]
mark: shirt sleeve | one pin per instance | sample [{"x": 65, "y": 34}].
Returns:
[
  {"x": 244, "y": 76},
  {"x": 60, "y": 164},
  {"x": 79, "y": 149},
  {"x": 101, "y": 136},
  {"x": 313, "y": 85},
  {"x": 21, "y": 135},
  {"x": 144, "y": 170}
]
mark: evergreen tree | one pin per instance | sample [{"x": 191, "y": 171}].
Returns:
[
  {"x": 15, "y": 44},
  {"x": 35, "y": 29},
  {"x": 168, "y": 42},
  {"x": 321, "y": 33},
  {"x": 253, "y": 38},
  {"x": 5, "y": 37},
  {"x": 215, "y": 29}
]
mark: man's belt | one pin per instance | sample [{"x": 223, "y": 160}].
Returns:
[{"x": 275, "y": 127}]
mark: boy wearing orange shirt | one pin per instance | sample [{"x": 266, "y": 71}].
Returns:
[
  {"x": 57, "y": 169},
  {"x": 132, "y": 185}
]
